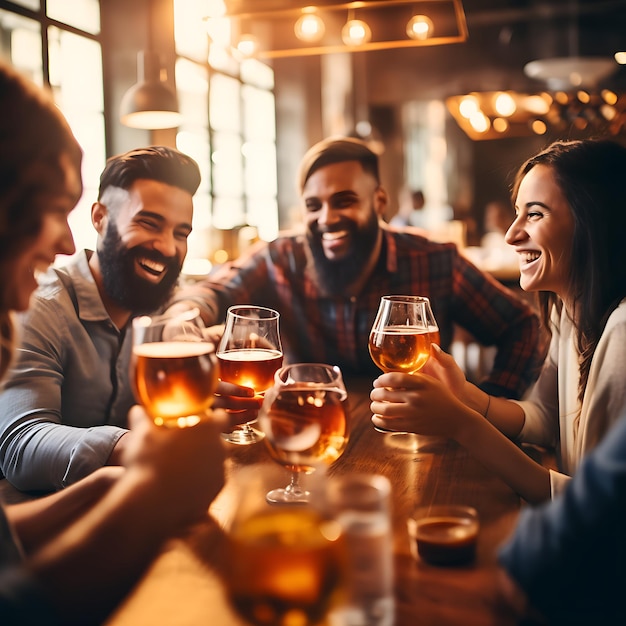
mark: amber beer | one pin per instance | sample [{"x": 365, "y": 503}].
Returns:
[
  {"x": 305, "y": 425},
  {"x": 250, "y": 367},
  {"x": 402, "y": 348},
  {"x": 284, "y": 566},
  {"x": 174, "y": 379}
]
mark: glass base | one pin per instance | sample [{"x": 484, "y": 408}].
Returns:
[
  {"x": 410, "y": 442},
  {"x": 288, "y": 496},
  {"x": 243, "y": 435}
]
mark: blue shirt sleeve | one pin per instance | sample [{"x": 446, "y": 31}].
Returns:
[{"x": 569, "y": 555}]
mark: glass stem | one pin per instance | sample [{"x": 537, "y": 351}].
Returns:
[{"x": 293, "y": 490}]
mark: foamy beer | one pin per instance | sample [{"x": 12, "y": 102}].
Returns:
[{"x": 175, "y": 371}]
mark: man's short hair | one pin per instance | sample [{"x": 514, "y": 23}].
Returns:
[
  {"x": 160, "y": 163},
  {"x": 337, "y": 150}
]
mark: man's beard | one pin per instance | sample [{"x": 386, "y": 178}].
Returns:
[
  {"x": 120, "y": 280},
  {"x": 334, "y": 276}
]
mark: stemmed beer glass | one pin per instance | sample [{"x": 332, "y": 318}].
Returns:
[
  {"x": 249, "y": 353},
  {"x": 173, "y": 368},
  {"x": 402, "y": 333},
  {"x": 305, "y": 420}
]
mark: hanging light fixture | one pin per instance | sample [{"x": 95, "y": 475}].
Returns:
[
  {"x": 296, "y": 28},
  {"x": 149, "y": 104}
]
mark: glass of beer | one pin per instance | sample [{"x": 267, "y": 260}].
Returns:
[
  {"x": 305, "y": 420},
  {"x": 173, "y": 368},
  {"x": 402, "y": 333},
  {"x": 249, "y": 353},
  {"x": 282, "y": 565}
]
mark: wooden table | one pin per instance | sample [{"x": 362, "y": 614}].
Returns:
[{"x": 183, "y": 588}]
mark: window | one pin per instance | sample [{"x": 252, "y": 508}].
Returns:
[
  {"x": 73, "y": 47},
  {"x": 229, "y": 128}
]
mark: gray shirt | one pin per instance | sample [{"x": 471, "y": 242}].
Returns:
[{"x": 65, "y": 401}]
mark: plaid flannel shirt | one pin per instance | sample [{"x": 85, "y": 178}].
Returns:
[{"x": 318, "y": 328}]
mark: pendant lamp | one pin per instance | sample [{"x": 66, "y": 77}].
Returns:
[{"x": 149, "y": 104}]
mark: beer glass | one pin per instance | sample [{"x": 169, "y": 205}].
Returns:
[
  {"x": 173, "y": 368},
  {"x": 305, "y": 420},
  {"x": 402, "y": 333},
  {"x": 283, "y": 565},
  {"x": 249, "y": 353}
]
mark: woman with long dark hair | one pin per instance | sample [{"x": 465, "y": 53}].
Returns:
[{"x": 568, "y": 233}]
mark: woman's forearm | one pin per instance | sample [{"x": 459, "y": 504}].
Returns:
[
  {"x": 500, "y": 455},
  {"x": 37, "y": 521},
  {"x": 506, "y": 416},
  {"x": 114, "y": 542}
]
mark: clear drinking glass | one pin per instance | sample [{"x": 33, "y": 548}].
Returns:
[
  {"x": 305, "y": 420},
  {"x": 249, "y": 353},
  {"x": 174, "y": 370},
  {"x": 402, "y": 333}
]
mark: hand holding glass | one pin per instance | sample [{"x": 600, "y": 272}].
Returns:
[
  {"x": 249, "y": 353},
  {"x": 174, "y": 369},
  {"x": 304, "y": 418}
]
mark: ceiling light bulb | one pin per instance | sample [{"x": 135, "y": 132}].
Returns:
[
  {"x": 504, "y": 104},
  {"x": 500, "y": 125},
  {"x": 608, "y": 112},
  {"x": 356, "y": 33},
  {"x": 610, "y": 97},
  {"x": 537, "y": 104},
  {"x": 419, "y": 27},
  {"x": 539, "y": 127},
  {"x": 309, "y": 27},
  {"x": 468, "y": 106},
  {"x": 480, "y": 122},
  {"x": 583, "y": 96}
]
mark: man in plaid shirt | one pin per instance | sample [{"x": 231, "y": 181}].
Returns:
[{"x": 327, "y": 281}]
